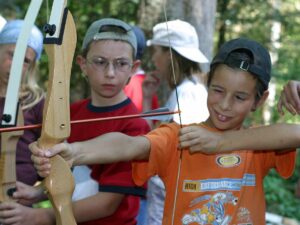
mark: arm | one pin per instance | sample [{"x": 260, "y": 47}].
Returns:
[
  {"x": 277, "y": 136},
  {"x": 98, "y": 206},
  {"x": 28, "y": 195},
  {"x": 101, "y": 205},
  {"x": 15, "y": 213},
  {"x": 290, "y": 98},
  {"x": 107, "y": 148},
  {"x": 150, "y": 86}
]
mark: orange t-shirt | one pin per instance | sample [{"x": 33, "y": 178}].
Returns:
[{"x": 212, "y": 189}]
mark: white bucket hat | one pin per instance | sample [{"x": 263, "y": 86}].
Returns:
[{"x": 181, "y": 36}]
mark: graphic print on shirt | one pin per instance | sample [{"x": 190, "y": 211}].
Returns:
[
  {"x": 211, "y": 208},
  {"x": 228, "y": 160},
  {"x": 213, "y": 211}
]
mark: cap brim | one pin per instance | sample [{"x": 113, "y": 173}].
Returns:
[{"x": 192, "y": 54}]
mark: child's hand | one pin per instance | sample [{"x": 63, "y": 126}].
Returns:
[
  {"x": 14, "y": 213},
  {"x": 150, "y": 85},
  {"x": 17, "y": 214},
  {"x": 198, "y": 139},
  {"x": 26, "y": 194},
  {"x": 290, "y": 98},
  {"x": 41, "y": 158}
]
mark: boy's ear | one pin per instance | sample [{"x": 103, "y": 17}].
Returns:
[
  {"x": 134, "y": 69},
  {"x": 81, "y": 61},
  {"x": 261, "y": 101}
]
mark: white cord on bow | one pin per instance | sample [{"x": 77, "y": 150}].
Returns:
[{"x": 180, "y": 121}]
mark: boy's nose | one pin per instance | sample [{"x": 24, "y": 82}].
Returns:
[
  {"x": 225, "y": 104},
  {"x": 110, "y": 70}
]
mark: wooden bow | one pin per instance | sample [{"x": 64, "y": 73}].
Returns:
[
  {"x": 60, "y": 48},
  {"x": 9, "y": 142},
  {"x": 12, "y": 113}
]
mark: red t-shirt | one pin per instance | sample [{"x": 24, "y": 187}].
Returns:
[
  {"x": 134, "y": 91},
  {"x": 115, "y": 177}
]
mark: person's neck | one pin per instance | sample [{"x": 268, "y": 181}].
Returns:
[
  {"x": 97, "y": 100},
  {"x": 209, "y": 123}
]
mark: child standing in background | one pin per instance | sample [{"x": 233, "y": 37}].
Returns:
[{"x": 31, "y": 95}]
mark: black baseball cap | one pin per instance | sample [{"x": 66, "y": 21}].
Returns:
[{"x": 260, "y": 66}]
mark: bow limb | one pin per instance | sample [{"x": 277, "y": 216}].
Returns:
[
  {"x": 12, "y": 96},
  {"x": 8, "y": 161},
  {"x": 56, "y": 116},
  {"x": 12, "y": 113}
]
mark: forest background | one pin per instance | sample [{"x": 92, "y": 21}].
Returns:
[{"x": 274, "y": 23}]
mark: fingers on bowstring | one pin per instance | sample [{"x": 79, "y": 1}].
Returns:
[{"x": 286, "y": 102}]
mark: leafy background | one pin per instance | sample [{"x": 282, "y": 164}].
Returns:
[{"x": 234, "y": 18}]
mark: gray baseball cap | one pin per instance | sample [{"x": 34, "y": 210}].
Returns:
[{"x": 98, "y": 31}]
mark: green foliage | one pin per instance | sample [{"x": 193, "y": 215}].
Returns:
[{"x": 280, "y": 195}]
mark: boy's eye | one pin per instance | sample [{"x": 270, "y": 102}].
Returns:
[
  {"x": 122, "y": 63},
  {"x": 217, "y": 90},
  {"x": 99, "y": 62},
  {"x": 240, "y": 98}
]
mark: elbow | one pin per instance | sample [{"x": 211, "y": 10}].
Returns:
[{"x": 110, "y": 210}]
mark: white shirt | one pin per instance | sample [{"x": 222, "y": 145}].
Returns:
[{"x": 192, "y": 96}]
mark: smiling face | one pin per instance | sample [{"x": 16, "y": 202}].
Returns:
[
  {"x": 231, "y": 97},
  {"x": 6, "y": 57},
  {"x": 107, "y": 84}
]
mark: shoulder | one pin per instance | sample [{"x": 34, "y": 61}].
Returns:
[
  {"x": 79, "y": 104},
  {"x": 34, "y": 114},
  {"x": 136, "y": 125},
  {"x": 191, "y": 84},
  {"x": 167, "y": 129}
]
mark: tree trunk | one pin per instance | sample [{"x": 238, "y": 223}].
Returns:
[
  {"x": 275, "y": 37},
  {"x": 201, "y": 14},
  {"x": 149, "y": 13}
]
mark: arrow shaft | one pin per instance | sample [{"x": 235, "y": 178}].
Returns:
[{"x": 34, "y": 126}]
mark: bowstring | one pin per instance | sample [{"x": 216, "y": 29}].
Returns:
[{"x": 180, "y": 119}]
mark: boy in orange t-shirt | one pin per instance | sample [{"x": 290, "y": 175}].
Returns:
[{"x": 223, "y": 187}]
